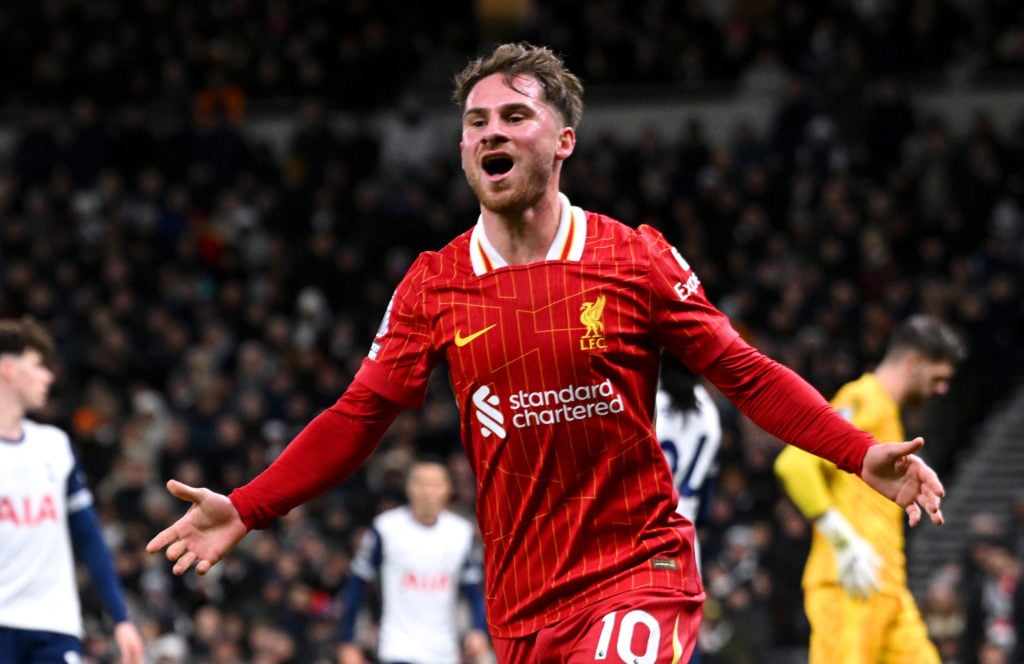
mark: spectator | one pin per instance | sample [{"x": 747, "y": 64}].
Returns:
[
  {"x": 409, "y": 143},
  {"x": 994, "y": 606},
  {"x": 944, "y": 613}
]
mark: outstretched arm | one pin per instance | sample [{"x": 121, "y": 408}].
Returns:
[
  {"x": 328, "y": 450},
  {"x": 785, "y": 405}
]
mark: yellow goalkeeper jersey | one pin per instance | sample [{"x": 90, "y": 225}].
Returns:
[{"x": 815, "y": 485}]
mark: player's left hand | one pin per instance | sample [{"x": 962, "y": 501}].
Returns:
[
  {"x": 895, "y": 471},
  {"x": 129, "y": 642}
]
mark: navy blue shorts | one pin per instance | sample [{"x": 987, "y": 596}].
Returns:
[{"x": 32, "y": 646}]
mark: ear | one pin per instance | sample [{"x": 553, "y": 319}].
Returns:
[{"x": 566, "y": 143}]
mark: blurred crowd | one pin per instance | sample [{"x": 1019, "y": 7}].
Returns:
[
  {"x": 209, "y": 295},
  {"x": 361, "y": 53}
]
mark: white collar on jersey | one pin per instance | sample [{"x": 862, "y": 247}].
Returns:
[{"x": 567, "y": 245}]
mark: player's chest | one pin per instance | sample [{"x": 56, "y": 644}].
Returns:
[
  {"x": 31, "y": 489},
  {"x": 423, "y": 562},
  {"x": 560, "y": 314},
  {"x": 31, "y": 467}
]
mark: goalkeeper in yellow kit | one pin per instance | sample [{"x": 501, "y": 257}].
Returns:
[{"x": 855, "y": 582}]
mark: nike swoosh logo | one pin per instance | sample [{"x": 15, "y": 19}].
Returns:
[{"x": 461, "y": 341}]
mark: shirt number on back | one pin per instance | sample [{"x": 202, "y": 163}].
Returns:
[{"x": 688, "y": 484}]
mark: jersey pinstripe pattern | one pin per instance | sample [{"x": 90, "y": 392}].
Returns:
[{"x": 556, "y": 397}]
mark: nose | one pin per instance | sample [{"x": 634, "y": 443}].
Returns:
[{"x": 493, "y": 133}]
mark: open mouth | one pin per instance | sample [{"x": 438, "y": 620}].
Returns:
[{"x": 497, "y": 165}]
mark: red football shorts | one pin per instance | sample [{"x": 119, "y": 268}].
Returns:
[{"x": 645, "y": 626}]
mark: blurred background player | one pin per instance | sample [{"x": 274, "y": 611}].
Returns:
[
  {"x": 689, "y": 430},
  {"x": 855, "y": 581},
  {"x": 45, "y": 508},
  {"x": 422, "y": 555}
]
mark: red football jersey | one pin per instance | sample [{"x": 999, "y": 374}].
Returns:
[{"x": 554, "y": 366}]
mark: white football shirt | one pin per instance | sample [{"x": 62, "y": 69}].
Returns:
[
  {"x": 40, "y": 485},
  {"x": 420, "y": 569},
  {"x": 690, "y": 441}
]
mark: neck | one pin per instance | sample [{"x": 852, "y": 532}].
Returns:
[
  {"x": 10, "y": 419},
  {"x": 425, "y": 519},
  {"x": 892, "y": 381},
  {"x": 524, "y": 237}
]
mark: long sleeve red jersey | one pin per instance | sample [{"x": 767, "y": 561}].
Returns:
[{"x": 554, "y": 367}]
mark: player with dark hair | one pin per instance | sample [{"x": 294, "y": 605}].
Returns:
[
  {"x": 422, "y": 556},
  {"x": 855, "y": 581},
  {"x": 689, "y": 430},
  {"x": 551, "y": 320},
  {"x": 46, "y": 517}
]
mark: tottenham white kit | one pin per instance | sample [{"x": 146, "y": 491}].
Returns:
[
  {"x": 690, "y": 441},
  {"x": 420, "y": 569},
  {"x": 39, "y": 487}
]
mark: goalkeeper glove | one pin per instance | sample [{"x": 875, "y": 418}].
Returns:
[{"x": 856, "y": 559}]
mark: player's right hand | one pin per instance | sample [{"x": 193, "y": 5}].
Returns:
[
  {"x": 856, "y": 560},
  {"x": 206, "y": 533},
  {"x": 129, "y": 643}
]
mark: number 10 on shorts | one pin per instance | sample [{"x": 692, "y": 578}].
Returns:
[{"x": 630, "y": 646}]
